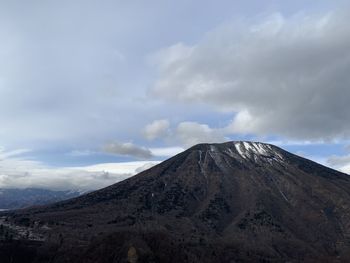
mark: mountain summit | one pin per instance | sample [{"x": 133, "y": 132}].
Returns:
[{"x": 229, "y": 202}]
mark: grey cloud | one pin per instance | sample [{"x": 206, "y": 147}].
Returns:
[
  {"x": 156, "y": 129},
  {"x": 128, "y": 149},
  {"x": 285, "y": 76},
  {"x": 67, "y": 68},
  {"x": 64, "y": 69}
]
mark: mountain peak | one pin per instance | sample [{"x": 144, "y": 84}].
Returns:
[{"x": 244, "y": 151}]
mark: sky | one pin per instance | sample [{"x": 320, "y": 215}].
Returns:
[{"x": 92, "y": 92}]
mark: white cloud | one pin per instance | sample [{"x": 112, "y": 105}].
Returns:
[
  {"x": 341, "y": 163},
  {"x": 128, "y": 149},
  {"x": 187, "y": 134},
  {"x": 77, "y": 153},
  {"x": 166, "y": 151},
  {"x": 119, "y": 168},
  {"x": 243, "y": 122},
  {"x": 145, "y": 167},
  {"x": 17, "y": 172},
  {"x": 6, "y": 154},
  {"x": 285, "y": 76},
  {"x": 156, "y": 129},
  {"x": 339, "y": 160},
  {"x": 191, "y": 133},
  {"x": 345, "y": 168}
]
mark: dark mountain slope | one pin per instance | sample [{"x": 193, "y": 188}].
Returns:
[{"x": 230, "y": 202}]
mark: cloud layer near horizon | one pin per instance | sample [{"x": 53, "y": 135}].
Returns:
[{"x": 19, "y": 172}]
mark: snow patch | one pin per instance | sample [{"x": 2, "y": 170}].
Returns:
[
  {"x": 257, "y": 151},
  {"x": 212, "y": 148},
  {"x": 238, "y": 148}
]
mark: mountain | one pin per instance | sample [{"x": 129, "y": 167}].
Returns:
[
  {"x": 14, "y": 198},
  {"x": 229, "y": 202}
]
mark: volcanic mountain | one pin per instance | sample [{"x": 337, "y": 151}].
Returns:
[{"x": 229, "y": 202}]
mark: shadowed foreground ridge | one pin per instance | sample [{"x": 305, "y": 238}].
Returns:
[{"x": 229, "y": 202}]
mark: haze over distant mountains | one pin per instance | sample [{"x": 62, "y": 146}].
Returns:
[
  {"x": 230, "y": 202},
  {"x": 20, "y": 198}
]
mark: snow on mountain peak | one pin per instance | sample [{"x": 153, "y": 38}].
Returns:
[{"x": 248, "y": 150}]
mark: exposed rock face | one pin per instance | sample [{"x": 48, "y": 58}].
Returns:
[{"x": 230, "y": 202}]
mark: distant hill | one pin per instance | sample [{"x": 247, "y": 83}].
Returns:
[
  {"x": 230, "y": 202},
  {"x": 20, "y": 198}
]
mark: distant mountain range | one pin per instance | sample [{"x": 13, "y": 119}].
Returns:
[
  {"x": 230, "y": 202},
  {"x": 20, "y": 198}
]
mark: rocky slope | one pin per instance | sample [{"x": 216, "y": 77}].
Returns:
[{"x": 230, "y": 202}]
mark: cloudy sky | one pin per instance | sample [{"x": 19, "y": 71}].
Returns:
[{"x": 92, "y": 92}]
